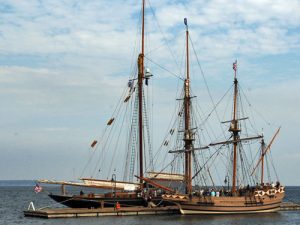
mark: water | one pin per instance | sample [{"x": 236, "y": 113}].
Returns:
[{"x": 14, "y": 199}]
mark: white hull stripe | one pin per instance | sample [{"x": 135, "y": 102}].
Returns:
[{"x": 187, "y": 211}]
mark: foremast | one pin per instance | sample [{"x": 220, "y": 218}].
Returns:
[{"x": 188, "y": 136}]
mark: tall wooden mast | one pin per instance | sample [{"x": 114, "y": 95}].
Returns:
[
  {"x": 263, "y": 146},
  {"x": 188, "y": 139},
  {"x": 140, "y": 89},
  {"x": 234, "y": 128},
  {"x": 140, "y": 94}
]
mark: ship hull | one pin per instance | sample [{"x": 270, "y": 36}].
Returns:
[
  {"x": 98, "y": 202},
  {"x": 229, "y": 204},
  {"x": 190, "y": 210}
]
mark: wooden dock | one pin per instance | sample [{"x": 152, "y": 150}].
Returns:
[
  {"x": 80, "y": 212},
  {"x": 126, "y": 211},
  {"x": 289, "y": 206}
]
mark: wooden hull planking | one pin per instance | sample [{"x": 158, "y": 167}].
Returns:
[{"x": 229, "y": 205}]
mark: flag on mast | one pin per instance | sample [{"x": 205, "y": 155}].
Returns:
[{"x": 234, "y": 65}]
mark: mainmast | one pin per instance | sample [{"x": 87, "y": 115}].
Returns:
[
  {"x": 234, "y": 128},
  {"x": 188, "y": 139},
  {"x": 140, "y": 94}
]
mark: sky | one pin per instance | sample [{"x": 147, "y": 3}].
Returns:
[{"x": 64, "y": 64}]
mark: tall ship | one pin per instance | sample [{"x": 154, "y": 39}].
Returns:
[
  {"x": 197, "y": 175},
  {"x": 127, "y": 191},
  {"x": 246, "y": 188}
]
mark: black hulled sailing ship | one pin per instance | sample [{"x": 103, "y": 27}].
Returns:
[
  {"x": 124, "y": 192},
  {"x": 255, "y": 197}
]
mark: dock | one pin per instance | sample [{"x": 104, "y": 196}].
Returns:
[
  {"x": 125, "y": 211},
  {"x": 83, "y": 212},
  {"x": 289, "y": 206}
]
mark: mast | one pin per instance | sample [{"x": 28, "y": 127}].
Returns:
[
  {"x": 140, "y": 94},
  {"x": 262, "y": 161},
  {"x": 187, "y": 134},
  {"x": 234, "y": 128},
  {"x": 265, "y": 150}
]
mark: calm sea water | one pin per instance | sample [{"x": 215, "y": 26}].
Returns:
[{"x": 14, "y": 199}]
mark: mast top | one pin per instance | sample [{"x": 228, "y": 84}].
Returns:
[
  {"x": 234, "y": 67},
  {"x": 185, "y": 23}
]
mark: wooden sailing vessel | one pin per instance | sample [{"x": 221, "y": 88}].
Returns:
[
  {"x": 253, "y": 198},
  {"x": 126, "y": 193}
]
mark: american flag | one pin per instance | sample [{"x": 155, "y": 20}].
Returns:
[
  {"x": 38, "y": 188},
  {"x": 234, "y": 65}
]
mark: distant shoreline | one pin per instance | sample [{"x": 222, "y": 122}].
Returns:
[{"x": 9, "y": 183}]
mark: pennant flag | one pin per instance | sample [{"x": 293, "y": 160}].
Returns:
[{"x": 38, "y": 188}]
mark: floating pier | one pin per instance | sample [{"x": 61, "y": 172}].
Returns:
[
  {"x": 125, "y": 211},
  {"x": 289, "y": 206},
  {"x": 80, "y": 212}
]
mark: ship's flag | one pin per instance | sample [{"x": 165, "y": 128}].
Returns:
[
  {"x": 38, "y": 188},
  {"x": 234, "y": 65}
]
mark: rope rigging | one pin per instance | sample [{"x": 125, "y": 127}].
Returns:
[{"x": 206, "y": 163}]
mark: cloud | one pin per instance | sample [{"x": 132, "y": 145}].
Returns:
[
  {"x": 64, "y": 64},
  {"x": 237, "y": 27}
]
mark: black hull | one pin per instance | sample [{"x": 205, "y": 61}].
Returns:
[{"x": 95, "y": 202}]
